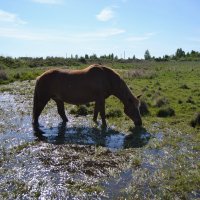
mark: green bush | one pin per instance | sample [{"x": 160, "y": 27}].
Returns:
[
  {"x": 80, "y": 110},
  {"x": 17, "y": 76},
  {"x": 143, "y": 108},
  {"x": 190, "y": 100},
  {"x": 166, "y": 112},
  {"x": 3, "y": 75},
  {"x": 196, "y": 120},
  {"x": 184, "y": 86},
  {"x": 114, "y": 113}
]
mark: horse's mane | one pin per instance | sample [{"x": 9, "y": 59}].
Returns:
[{"x": 119, "y": 84}]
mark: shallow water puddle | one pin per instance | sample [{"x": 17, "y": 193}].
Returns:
[
  {"x": 16, "y": 124},
  {"x": 55, "y": 159},
  {"x": 79, "y": 160},
  {"x": 73, "y": 134}
]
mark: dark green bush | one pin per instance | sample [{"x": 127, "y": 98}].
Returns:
[
  {"x": 180, "y": 101},
  {"x": 80, "y": 110},
  {"x": 17, "y": 76},
  {"x": 114, "y": 113},
  {"x": 166, "y": 112},
  {"x": 184, "y": 86},
  {"x": 143, "y": 108},
  {"x": 196, "y": 120},
  {"x": 190, "y": 100},
  {"x": 3, "y": 75}
]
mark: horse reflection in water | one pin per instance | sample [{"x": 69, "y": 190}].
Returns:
[{"x": 109, "y": 138}]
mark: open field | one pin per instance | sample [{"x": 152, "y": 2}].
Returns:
[{"x": 82, "y": 161}]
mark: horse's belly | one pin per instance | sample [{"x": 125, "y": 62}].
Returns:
[
  {"x": 78, "y": 97},
  {"x": 78, "y": 101}
]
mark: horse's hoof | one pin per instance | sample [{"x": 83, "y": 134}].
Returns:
[
  {"x": 65, "y": 120},
  {"x": 104, "y": 126},
  {"x": 96, "y": 122},
  {"x": 35, "y": 124}
]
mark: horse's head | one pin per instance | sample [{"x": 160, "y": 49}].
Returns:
[{"x": 131, "y": 109}]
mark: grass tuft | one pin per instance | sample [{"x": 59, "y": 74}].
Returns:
[
  {"x": 161, "y": 101},
  {"x": 3, "y": 75},
  {"x": 80, "y": 110},
  {"x": 196, "y": 120},
  {"x": 114, "y": 113},
  {"x": 166, "y": 112},
  {"x": 184, "y": 86},
  {"x": 144, "y": 108},
  {"x": 190, "y": 100}
]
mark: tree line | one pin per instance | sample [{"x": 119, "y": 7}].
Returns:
[
  {"x": 180, "y": 55},
  {"x": 75, "y": 60}
]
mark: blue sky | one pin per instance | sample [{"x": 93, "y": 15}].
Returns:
[{"x": 65, "y": 27}]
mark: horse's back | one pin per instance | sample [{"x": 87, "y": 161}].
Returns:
[{"x": 75, "y": 86}]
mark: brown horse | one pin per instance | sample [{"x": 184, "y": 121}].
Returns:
[{"x": 94, "y": 83}]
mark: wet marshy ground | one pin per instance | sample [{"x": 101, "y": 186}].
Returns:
[{"x": 79, "y": 160}]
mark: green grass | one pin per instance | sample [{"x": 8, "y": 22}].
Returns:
[{"x": 170, "y": 87}]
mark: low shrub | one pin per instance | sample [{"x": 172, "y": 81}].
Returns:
[
  {"x": 166, "y": 112},
  {"x": 196, "y": 120},
  {"x": 160, "y": 101},
  {"x": 114, "y": 113},
  {"x": 180, "y": 101},
  {"x": 80, "y": 110},
  {"x": 17, "y": 76},
  {"x": 190, "y": 100},
  {"x": 143, "y": 108},
  {"x": 3, "y": 75},
  {"x": 184, "y": 86}
]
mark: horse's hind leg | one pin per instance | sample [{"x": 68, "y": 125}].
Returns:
[
  {"x": 61, "y": 109},
  {"x": 38, "y": 107}
]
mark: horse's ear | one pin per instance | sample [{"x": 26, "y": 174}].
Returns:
[{"x": 138, "y": 97}]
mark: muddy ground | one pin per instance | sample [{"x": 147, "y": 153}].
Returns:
[{"x": 80, "y": 160}]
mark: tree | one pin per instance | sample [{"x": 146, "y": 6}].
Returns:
[
  {"x": 94, "y": 56},
  {"x": 86, "y": 56},
  {"x": 147, "y": 55},
  {"x": 76, "y": 57},
  {"x": 82, "y": 60},
  {"x": 180, "y": 53}
]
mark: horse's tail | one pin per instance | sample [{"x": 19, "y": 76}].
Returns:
[{"x": 35, "y": 102}]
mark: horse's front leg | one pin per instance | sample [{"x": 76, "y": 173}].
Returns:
[
  {"x": 61, "y": 109},
  {"x": 96, "y": 112}
]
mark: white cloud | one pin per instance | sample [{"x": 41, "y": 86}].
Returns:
[
  {"x": 10, "y": 18},
  {"x": 51, "y": 35},
  {"x": 19, "y": 34},
  {"x": 103, "y": 33},
  {"x": 48, "y": 1},
  {"x": 105, "y": 15}
]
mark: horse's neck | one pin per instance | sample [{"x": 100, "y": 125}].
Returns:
[{"x": 121, "y": 92}]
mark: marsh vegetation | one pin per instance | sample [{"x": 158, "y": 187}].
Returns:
[{"x": 80, "y": 160}]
